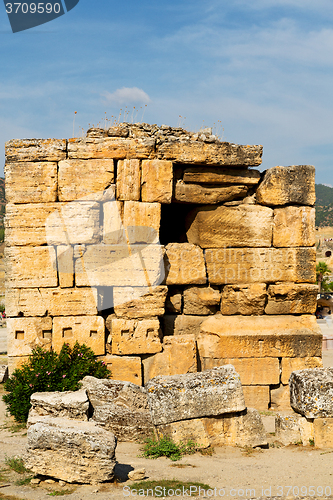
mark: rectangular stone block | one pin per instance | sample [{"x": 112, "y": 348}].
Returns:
[
  {"x": 31, "y": 182},
  {"x": 289, "y": 365},
  {"x": 113, "y": 229},
  {"x": 157, "y": 181},
  {"x": 239, "y": 226},
  {"x": 280, "y": 398},
  {"x": 25, "y": 302},
  {"x": 88, "y": 179},
  {"x": 179, "y": 356},
  {"x": 88, "y": 330},
  {"x": 323, "y": 432},
  {"x": 65, "y": 261},
  {"x": 195, "y": 193},
  {"x": 139, "y": 302},
  {"x": 252, "y": 371},
  {"x": 24, "y": 334},
  {"x": 201, "y": 300},
  {"x": 52, "y": 223},
  {"x": 260, "y": 265},
  {"x": 119, "y": 265},
  {"x": 259, "y": 337},
  {"x": 209, "y": 393},
  {"x": 35, "y": 150},
  {"x": 292, "y": 298},
  {"x": 182, "y": 324},
  {"x": 247, "y": 300},
  {"x": 142, "y": 221},
  {"x": 131, "y": 336},
  {"x": 220, "y": 175},
  {"x": 311, "y": 392},
  {"x": 128, "y": 180},
  {"x": 117, "y": 148},
  {"x": 294, "y": 227},
  {"x": 203, "y": 153},
  {"x": 185, "y": 264},
  {"x": 256, "y": 396},
  {"x": 126, "y": 368},
  {"x": 184, "y": 431},
  {"x": 31, "y": 267}
]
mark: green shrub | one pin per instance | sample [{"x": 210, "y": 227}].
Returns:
[
  {"x": 47, "y": 371},
  {"x": 165, "y": 447}
]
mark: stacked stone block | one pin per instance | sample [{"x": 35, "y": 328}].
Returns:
[{"x": 165, "y": 252}]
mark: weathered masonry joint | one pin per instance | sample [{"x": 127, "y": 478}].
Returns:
[{"x": 166, "y": 253}]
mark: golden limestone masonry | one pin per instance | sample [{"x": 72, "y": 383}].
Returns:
[{"x": 166, "y": 252}]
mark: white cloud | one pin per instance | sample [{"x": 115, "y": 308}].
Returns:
[{"x": 127, "y": 95}]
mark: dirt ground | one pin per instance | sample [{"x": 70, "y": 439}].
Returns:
[{"x": 281, "y": 472}]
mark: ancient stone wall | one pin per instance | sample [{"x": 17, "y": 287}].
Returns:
[{"x": 165, "y": 252}]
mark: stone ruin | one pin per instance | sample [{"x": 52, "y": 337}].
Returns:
[{"x": 166, "y": 253}]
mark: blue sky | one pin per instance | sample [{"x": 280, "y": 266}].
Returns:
[{"x": 261, "y": 70}]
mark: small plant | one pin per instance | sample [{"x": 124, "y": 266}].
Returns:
[
  {"x": 47, "y": 371},
  {"x": 168, "y": 487},
  {"x": 58, "y": 493},
  {"x": 16, "y": 464},
  {"x": 23, "y": 482},
  {"x": 311, "y": 442},
  {"x": 165, "y": 447}
]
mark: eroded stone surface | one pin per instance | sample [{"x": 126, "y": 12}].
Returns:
[
  {"x": 128, "y": 180},
  {"x": 194, "y": 193},
  {"x": 252, "y": 371},
  {"x": 75, "y": 452},
  {"x": 31, "y": 182},
  {"x": 257, "y": 395},
  {"x": 193, "y": 395},
  {"x": 293, "y": 429},
  {"x": 31, "y": 267},
  {"x": 201, "y": 300},
  {"x": 25, "y": 334},
  {"x": 244, "y": 299},
  {"x": 289, "y": 365},
  {"x": 117, "y": 148},
  {"x": 33, "y": 150},
  {"x": 139, "y": 302},
  {"x": 130, "y": 336},
  {"x": 294, "y": 227},
  {"x": 3, "y": 373},
  {"x": 323, "y": 432},
  {"x": 67, "y": 404},
  {"x": 142, "y": 221},
  {"x": 87, "y": 330},
  {"x": 220, "y": 175},
  {"x": 311, "y": 392},
  {"x": 156, "y": 182},
  {"x": 292, "y": 298},
  {"x": 184, "y": 264},
  {"x": 125, "y": 368}
]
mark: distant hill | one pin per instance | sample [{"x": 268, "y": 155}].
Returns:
[{"x": 324, "y": 205}]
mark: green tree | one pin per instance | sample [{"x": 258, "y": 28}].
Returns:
[{"x": 322, "y": 272}]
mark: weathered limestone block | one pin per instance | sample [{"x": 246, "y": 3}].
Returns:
[
  {"x": 31, "y": 182},
  {"x": 125, "y": 368},
  {"x": 193, "y": 395},
  {"x": 311, "y": 392},
  {"x": 117, "y": 148},
  {"x": 216, "y": 175},
  {"x": 284, "y": 185},
  {"x": 88, "y": 179},
  {"x": 130, "y": 336},
  {"x": 65, "y": 261},
  {"x": 260, "y": 265},
  {"x": 52, "y": 223},
  {"x": 194, "y": 193},
  {"x": 201, "y": 153},
  {"x": 179, "y": 356},
  {"x": 201, "y": 300},
  {"x": 35, "y": 150},
  {"x": 156, "y": 181},
  {"x": 3, "y": 373},
  {"x": 113, "y": 229},
  {"x": 292, "y": 298},
  {"x": 289, "y": 365},
  {"x": 119, "y": 265},
  {"x": 182, "y": 324},
  {"x": 239, "y": 226},
  {"x": 57, "y": 301},
  {"x": 24, "y": 334},
  {"x": 184, "y": 431},
  {"x": 142, "y": 221},
  {"x": 242, "y": 429},
  {"x": 293, "y": 429},
  {"x": 252, "y": 371},
  {"x": 280, "y": 397},
  {"x": 87, "y": 330},
  {"x": 185, "y": 264},
  {"x": 173, "y": 303},
  {"x": 139, "y": 302},
  {"x": 244, "y": 299},
  {"x": 259, "y": 337},
  {"x": 28, "y": 267},
  {"x": 120, "y": 407},
  {"x": 128, "y": 180},
  {"x": 294, "y": 227},
  {"x": 75, "y": 452},
  {"x": 256, "y": 396},
  {"x": 323, "y": 432},
  {"x": 15, "y": 362},
  {"x": 68, "y": 404}
]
